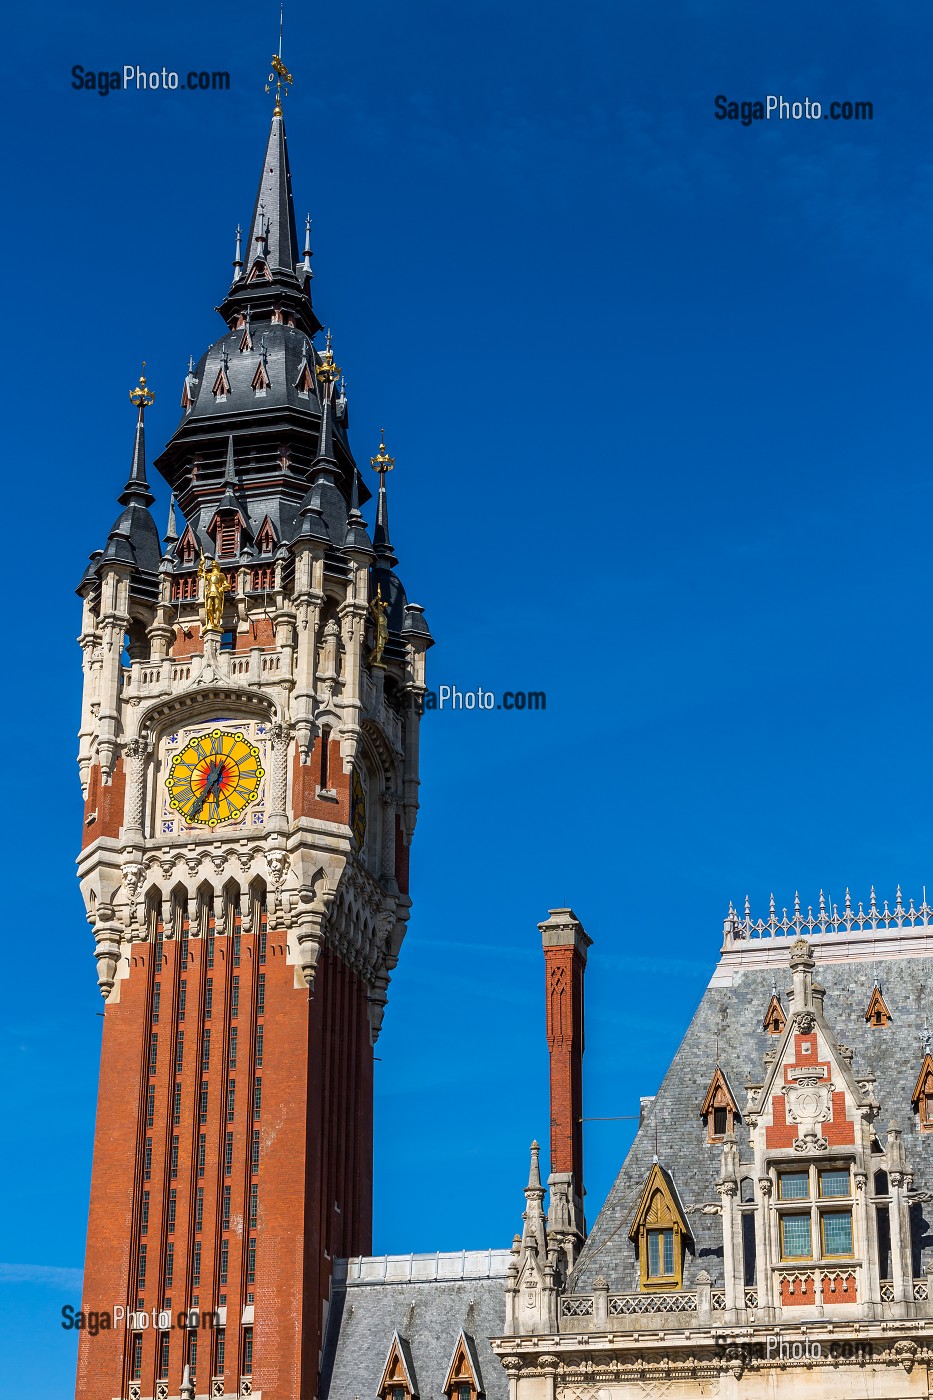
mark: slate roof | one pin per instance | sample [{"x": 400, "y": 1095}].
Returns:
[
  {"x": 734, "y": 1013},
  {"x": 427, "y": 1314}
]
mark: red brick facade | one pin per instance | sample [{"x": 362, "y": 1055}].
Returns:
[
  {"x": 227, "y": 1012},
  {"x": 104, "y": 804}
]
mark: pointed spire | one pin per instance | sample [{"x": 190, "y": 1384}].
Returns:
[
  {"x": 306, "y": 264},
  {"x": 534, "y": 1168},
  {"x": 268, "y": 266},
  {"x": 383, "y": 463},
  {"x": 238, "y": 258},
  {"x": 273, "y": 235},
  {"x": 136, "y": 490},
  {"x": 327, "y": 374},
  {"x": 171, "y": 529}
]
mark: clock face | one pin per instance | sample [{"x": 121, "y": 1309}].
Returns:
[
  {"x": 357, "y": 809},
  {"x": 214, "y": 778}
]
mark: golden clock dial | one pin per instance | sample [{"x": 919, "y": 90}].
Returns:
[
  {"x": 357, "y": 809},
  {"x": 214, "y": 778}
]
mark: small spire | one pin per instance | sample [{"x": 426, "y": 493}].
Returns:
[
  {"x": 534, "y": 1170},
  {"x": 171, "y": 529},
  {"x": 307, "y": 251},
  {"x": 238, "y": 259},
  {"x": 383, "y": 463},
  {"x": 229, "y": 470},
  {"x": 136, "y": 490}
]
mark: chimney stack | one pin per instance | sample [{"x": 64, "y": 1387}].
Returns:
[{"x": 565, "y": 945}]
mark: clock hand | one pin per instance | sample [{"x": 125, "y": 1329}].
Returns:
[{"x": 211, "y": 786}]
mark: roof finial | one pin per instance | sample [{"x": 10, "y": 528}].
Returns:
[
  {"x": 141, "y": 396},
  {"x": 238, "y": 258},
  {"x": 327, "y": 372},
  {"x": 171, "y": 529},
  {"x": 280, "y": 74},
  {"x": 383, "y": 463},
  {"x": 307, "y": 251},
  {"x": 136, "y": 489}
]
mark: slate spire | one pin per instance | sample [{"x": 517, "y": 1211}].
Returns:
[
  {"x": 273, "y": 225},
  {"x": 136, "y": 491},
  {"x": 269, "y": 268},
  {"x": 383, "y": 463}
]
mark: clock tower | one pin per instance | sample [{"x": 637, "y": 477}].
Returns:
[{"x": 249, "y": 758}]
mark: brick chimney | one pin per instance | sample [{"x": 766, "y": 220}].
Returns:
[{"x": 565, "y": 945}]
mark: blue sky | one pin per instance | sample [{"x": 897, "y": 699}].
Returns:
[{"x": 657, "y": 386}]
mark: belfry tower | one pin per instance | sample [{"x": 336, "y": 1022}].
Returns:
[{"x": 249, "y": 757}]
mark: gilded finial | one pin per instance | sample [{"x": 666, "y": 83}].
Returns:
[
  {"x": 327, "y": 372},
  {"x": 382, "y": 462},
  {"x": 142, "y": 396}
]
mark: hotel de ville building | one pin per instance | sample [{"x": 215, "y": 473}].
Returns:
[{"x": 248, "y": 752}]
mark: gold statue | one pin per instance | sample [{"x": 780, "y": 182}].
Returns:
[
  {"x": 379, "y": 607},
  {"x": 215, "y": 586}
]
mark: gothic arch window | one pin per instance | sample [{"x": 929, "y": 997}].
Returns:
[
  {"x": 266, "y": 538},
  {"x": 660, "y": 1232},
  {"x": 187, "y": 548}
]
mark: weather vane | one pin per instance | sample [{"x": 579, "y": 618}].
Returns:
[
  {"x": 142, "y": 396},
  {"x": 382, "y": 462},
  {"x": 280, "y": 73}
]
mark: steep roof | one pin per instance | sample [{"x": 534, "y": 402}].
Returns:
[
  {"x": 427, "y": 1300},
  {"x": 730, "y": 1016}
]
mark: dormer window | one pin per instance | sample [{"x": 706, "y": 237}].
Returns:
[
  {"x": 463, "y": 1377},
  {"x": 660, "y": 1231},
  {"x": 922, "y": 1097},
  {"x": 775, "y": 1020},
  {"x": 398, "y": 1379},
  {"x": 187, "y": 547},
  {"x": 877, "y": 1014},
  {"x": 720, "y": 1110},
  {"x": 228, "y": 537}
]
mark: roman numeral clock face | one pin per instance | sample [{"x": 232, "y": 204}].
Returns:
[{"x": 214, "y": 777}]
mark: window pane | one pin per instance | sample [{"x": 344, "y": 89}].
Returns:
[
  {"x": 795, "y": 1236},
  {"x": 660, "y": 1253},
  {"x": 795, "y": 1186},
  {"x": 834, "y": 1183},
  {"x": 837, "y": 1232},
  {"x": 719, "y": 1122}
]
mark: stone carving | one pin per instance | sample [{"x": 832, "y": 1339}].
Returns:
[
  {"x": 809, "y": 1103},
  {"x": 133, "y": 873},
  {"x": 277, "y": 862}
]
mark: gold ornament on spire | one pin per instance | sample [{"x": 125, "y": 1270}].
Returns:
[
  {"x": 142, "y": 396},
  {"x": 382, "y": 462},
  {"x": 327, "y": 372},
  {"x": 280, "y": 74}
]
